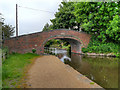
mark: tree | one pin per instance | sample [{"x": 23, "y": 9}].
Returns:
[
  {"x": 97, "y": 17},
  {"x": 7, "y": 31},
  {"x": 64, "y": 18},
  {"x": 114, "y": 29},
  {"x": 48, "y": 27}
]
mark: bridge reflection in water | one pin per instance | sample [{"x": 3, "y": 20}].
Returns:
[
  {"x": 102, "y": 70},
  {"x": 61, "y": 53}
]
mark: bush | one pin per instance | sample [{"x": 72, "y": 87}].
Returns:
[
  {"x": 13, "y": 52},
  {"x": 33, "y": 50},
  {"x": 84, "y": 50},
  {"x": 117, "y": 55},
  {"x": 96, "y": 46},
  {"x": 5, "y": 53}
]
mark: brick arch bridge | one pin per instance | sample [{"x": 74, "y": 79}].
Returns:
[{"x": 25, "y": 43}]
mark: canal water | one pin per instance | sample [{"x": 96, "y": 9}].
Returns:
[{"x": 102, "y": 70}]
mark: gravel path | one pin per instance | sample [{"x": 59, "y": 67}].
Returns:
[{"x": 50, "y": 72}]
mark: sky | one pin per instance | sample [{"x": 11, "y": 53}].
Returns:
[{"x": 29, "y": 20}]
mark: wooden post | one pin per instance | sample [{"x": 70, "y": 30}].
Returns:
[{"x": 16, "y": 20}]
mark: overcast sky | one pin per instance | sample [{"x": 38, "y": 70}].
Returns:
[{"x": 30, "y": 21}]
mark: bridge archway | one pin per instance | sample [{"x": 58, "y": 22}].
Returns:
[{"x": 75, "y": 42}]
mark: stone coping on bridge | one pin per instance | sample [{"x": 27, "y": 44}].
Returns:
[{"x": 49, "y": 72}]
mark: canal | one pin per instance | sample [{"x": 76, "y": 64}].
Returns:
[{"x": 102, "y": 70}]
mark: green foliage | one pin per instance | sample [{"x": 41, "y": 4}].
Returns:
[
  {"x": 84, "y": 50},
  {"x": 117, "y": 55},
  {"x": 7, "y": 31},
  {"x": 98, "y": 47},
  {"x": 5, "y": 53},
  {"x": 64, "y": 18},
  {"x": 53, "y": 41},
  {"x": 33, "y": 50},
  {"x": 5, "y": 50},
  {"x": 13, "y": 68},
  {"x": 57, "y": 43},
  {"x": 67, "y": 47},
  {"x": 48, "y": 27},
  {"x": 99, "y": 18},
  {"x": 92, "y": 83},
  {"x": 13, "y": 52},
  {"x": 114, "y": 29}
]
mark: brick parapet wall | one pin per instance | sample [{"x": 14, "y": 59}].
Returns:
[{"x": 26, "y": 43}]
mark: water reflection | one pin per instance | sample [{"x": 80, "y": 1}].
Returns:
[
  {"x": 102, "y": 70},
  {"x": 61, "y": 54}
]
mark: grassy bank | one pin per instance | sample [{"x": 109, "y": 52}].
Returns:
[{"x": 13, "y": 68}]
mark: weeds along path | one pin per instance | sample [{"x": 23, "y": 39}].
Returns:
[{"x": 50, "y": 72}]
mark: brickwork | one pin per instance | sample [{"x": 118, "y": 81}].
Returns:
[{"x": 25, "y": 43}]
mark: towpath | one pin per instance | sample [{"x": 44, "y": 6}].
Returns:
[{"x": 50, "y": 72}]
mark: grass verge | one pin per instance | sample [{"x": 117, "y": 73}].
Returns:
[{"x": 13, "y": 68}]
